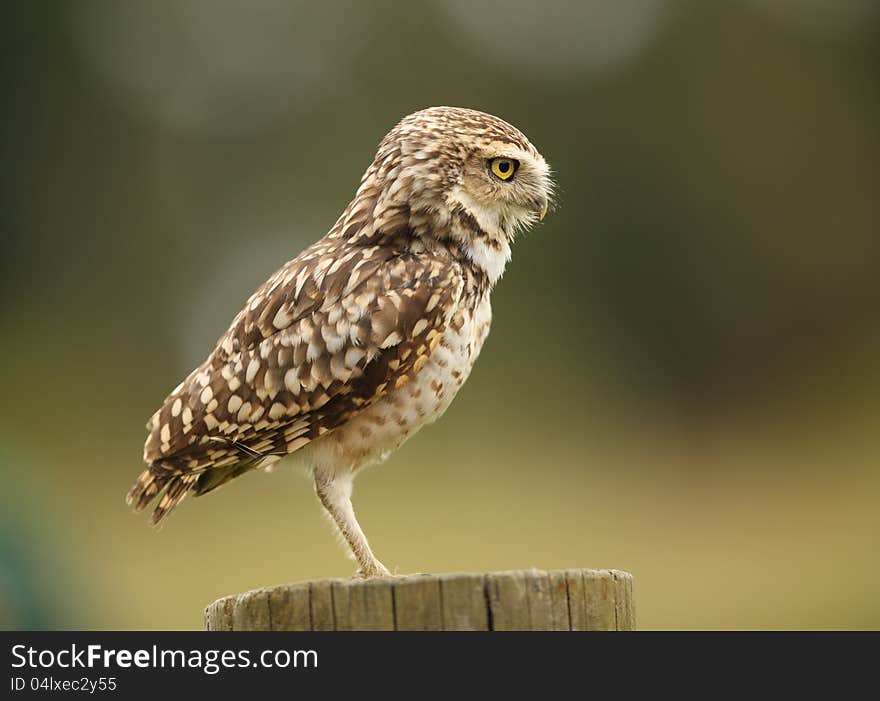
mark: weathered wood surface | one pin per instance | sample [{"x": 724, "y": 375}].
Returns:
[{"x": 518, "y": 600}]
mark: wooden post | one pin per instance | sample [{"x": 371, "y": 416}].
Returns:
[{"x": 520, "y": 600}]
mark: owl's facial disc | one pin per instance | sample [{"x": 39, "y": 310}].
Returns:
[{"x": 505, "y": 188}]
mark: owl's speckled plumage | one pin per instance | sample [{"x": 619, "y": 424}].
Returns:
[{"x": 367, "y": 335}]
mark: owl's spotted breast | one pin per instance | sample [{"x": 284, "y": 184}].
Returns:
[{"x": 398, "y": 415}]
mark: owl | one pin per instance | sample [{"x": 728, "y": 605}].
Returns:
[{"x": 367, "y": 335}]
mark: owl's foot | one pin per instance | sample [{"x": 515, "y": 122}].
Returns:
[{"x": 373, "y": 569}]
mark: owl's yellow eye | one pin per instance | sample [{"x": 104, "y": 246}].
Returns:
[{"x": 503, "y": 168}]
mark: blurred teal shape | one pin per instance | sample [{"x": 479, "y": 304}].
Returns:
[
  {"x": 34, "y": 579},
  {"x": 22, "y": 607}
]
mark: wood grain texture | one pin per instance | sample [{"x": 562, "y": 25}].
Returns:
[{"x": 516, "y": 600}]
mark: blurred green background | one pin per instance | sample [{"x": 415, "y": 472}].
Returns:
[{"x": 684, "y": 371}]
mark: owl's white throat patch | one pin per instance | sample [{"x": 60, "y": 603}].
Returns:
[
  {"x": 490, "y": 257},
  {"x": 489, "y": 248}
]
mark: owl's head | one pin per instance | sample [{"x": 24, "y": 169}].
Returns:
[{"x": 464, "y": 169}]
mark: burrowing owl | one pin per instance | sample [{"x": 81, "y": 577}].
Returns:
[{"x": 367, "y": 335}]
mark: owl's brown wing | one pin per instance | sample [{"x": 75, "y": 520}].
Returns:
[{"x": 324, "y": 337}]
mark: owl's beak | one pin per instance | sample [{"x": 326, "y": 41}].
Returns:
[{"x": 541, "y": 204}]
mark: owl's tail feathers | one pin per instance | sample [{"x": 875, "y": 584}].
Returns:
[{"x": 151, "y": 482}]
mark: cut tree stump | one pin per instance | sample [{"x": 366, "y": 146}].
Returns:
[{"x": 519, "y": 600}]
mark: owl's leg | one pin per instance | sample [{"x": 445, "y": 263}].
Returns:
[{"x": 334, "y": 491}]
